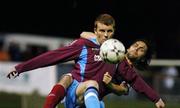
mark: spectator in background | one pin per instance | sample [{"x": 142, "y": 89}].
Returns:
[{"x": 170, "y": 74}]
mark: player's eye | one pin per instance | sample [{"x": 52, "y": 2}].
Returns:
[
  {"x": 135, "y": 45},
  {"x": 110, "y": 31},
  {"x": 142, "y": 49},
  {"x": 102, "y": 30}
]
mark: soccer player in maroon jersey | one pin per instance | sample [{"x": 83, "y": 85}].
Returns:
[
  {"x": 88, "y": 64},
  {"x": 138, "y": 56}
]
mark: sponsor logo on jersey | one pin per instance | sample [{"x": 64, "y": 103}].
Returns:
[
  {"x": 97, "y": 58},
  {"x": 95, "y": 49}
]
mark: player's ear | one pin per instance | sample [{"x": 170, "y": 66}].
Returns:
[
  {"x": 87, "y": 35},
  {"x": 95, "y": 30}
]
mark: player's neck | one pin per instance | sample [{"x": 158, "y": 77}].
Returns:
[
  {"x": 128, "y": 60},
  {"x": 98, "y": 41}
]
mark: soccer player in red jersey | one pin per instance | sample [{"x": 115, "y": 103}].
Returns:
[
  {"x": 138, "y": 56},
  {"x": 88, "y": 64}
]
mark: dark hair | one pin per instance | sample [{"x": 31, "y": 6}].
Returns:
[
  {"x": 143, "y": 63},
  {"x": 105, "y": 19}
]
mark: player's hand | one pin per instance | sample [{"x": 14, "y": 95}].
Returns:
[
  {"x": 107, "y": 78},
  {"x": 87, "y": 35},
  {"x": 126, "y": 87},
  {"x": 160, "y": 104},
  {"x": 13, "y": 74}
]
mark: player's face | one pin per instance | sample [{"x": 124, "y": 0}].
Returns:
[
  {"x": 103, "y": 32},
  {"x": 137, "y": 50}
]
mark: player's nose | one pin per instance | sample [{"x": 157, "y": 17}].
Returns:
[{"x": 106, "y": 36}]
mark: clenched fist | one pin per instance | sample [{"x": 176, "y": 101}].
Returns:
[
  {"x": 107, "y": 78},
  {"x": 13, "y": 73}
]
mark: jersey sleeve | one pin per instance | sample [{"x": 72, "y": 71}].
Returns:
[
  {"x": 137, "y": 83},
  {"x": 53, "y": 57}
]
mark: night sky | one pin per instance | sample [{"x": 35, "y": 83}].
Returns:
[{"x": 157, "y": 20}]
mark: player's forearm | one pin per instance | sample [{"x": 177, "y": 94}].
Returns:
[{"x": 117, "y": 89}]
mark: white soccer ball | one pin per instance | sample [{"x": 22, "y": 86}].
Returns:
[{"x": 112, "y": 51}]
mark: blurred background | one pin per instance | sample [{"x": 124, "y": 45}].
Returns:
[{"x": 30, "y": 29}]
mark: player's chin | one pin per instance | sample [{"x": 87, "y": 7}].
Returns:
[
  {"x": 104, "y": 40},
  {"x": 131, "y": 57}
]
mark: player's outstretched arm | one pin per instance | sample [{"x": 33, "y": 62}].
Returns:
[
  {"x": 137, "y": 83},
  {"x": 116, "y": 88},
  {"x": 13, "y": 73},
  {"x": 160, "y": 104}
]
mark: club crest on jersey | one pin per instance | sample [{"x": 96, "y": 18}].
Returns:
[{"x": 97, "y": 58}]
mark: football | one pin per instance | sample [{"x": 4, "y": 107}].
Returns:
[{"x": 112, "y": 51}]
